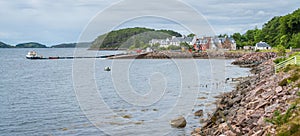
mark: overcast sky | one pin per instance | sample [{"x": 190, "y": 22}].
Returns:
[{"x": 67, "y": 21}]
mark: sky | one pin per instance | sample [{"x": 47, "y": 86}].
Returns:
[{"x": 69, "y": 21}]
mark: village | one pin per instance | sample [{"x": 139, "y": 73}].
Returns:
[{"x": 197, "y": 44}]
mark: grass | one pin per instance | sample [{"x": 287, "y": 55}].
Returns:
[
  {"x": 288, "y": 123},
  {"x": 279, "y": 118},
  {"x": 292, "y": 125}
]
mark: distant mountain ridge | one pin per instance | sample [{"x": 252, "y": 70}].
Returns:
[
  {"x": 30, "y": 45},
  {"x": 39, "y": 45},
  {"x": 73, "y": 45},
  {"x": 4, "y": 45}
]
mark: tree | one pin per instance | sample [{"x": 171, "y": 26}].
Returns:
[
  {"x": 184, "y": 44},
  {"x": 295, "y": 41},
  {"x": 258, "y": 35},
  {"x": 281, "y": 50},
  {"x": 283, "y": 40},
  {"x": 191, "y": 35},
  {"x": 238, "y": 39}
]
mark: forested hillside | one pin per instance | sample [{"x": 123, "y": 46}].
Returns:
[
  {"x": 31, "y": 45},
  {"x": 130, "y": 37},
  {"x": 280, "y": 30}
]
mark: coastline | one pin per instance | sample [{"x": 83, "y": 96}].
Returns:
[
  {"x": 244, "y": 110},
  {"x": 182, "y": 55}
]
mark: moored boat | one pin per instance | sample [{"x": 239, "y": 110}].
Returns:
[{"x": 33, "y": 55}]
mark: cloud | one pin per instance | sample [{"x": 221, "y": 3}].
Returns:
[{"x": 51, "y": 22}]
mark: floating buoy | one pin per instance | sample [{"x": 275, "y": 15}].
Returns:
[{"x": 107, "y": 69}]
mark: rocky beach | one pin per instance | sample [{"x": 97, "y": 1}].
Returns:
[{"x": 263, "y": 104}]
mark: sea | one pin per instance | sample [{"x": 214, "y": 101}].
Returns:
[{"x": 70, "y": 97}]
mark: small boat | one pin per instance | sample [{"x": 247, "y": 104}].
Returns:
[
  {"x": 107, "y": 69},
  {"x": 33, "y": 55}
]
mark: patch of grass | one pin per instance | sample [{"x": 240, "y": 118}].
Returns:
[
  {"x": 284, "y": 82},
  {"x": 278, "y": 60},
  {"x": 292, "y": 125},
  {"x": 279, "y": 119},
  {"x": 294, "y": 77},
  {"x": 293, "y": 131}
]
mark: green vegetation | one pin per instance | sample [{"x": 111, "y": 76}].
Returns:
[
  {"x": 288, "y": 123},
  {"x": 71, "y": 45},
  {"x": 130, "y": 38},
  {"x": 4, "y": 45},
  {"x": 191, "y": 35},
  {"x": 279, "y": 119},
  {"x": 281, "y": 50},
  {"x": 170, "y": 32},
  {"x": 280, "y": 59},
  {"x": 31, "y": 45},
  {"x": 280, "y": 30},
  {"x": 293, "y": 78},
  {"x": 186, "y": 45}
]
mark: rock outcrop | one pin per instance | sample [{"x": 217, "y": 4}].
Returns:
[{"x": 254, "y": 59}]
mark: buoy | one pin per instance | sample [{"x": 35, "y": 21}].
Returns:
[{"x": 107, "y": 69}]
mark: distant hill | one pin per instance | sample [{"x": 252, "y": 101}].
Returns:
[
  {"x": 31, "y": 45},
  {"x": 125, "y": 38},
  {"x": 4, "y": 45},
  {"x": 72, "y": 45}
]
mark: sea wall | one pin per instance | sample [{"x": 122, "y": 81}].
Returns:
[{"x": 244, "y": 110}]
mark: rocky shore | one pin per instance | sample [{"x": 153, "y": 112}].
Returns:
[
  {"x": 250, "y": 108},
  {"x": 182, "y": 55},
  {"x": 254, "y": 59}
]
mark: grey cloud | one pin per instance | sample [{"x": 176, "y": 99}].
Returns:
[{"x": 55, "y": 22}]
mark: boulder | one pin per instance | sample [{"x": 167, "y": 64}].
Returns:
[
  {"x": 199, "y": 113},
  {"x": 179, "y": 122}
]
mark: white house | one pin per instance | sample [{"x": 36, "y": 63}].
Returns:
[
  {"x": 262, "y": 46},
  {"x": 173, "y": 41}
]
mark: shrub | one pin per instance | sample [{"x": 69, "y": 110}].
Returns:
[
  {"x": 284, "y": 82},
  {"x": 278, "y": 60}
]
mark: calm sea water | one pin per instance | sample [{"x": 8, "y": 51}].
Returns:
[{"x": 77, "y": 97}]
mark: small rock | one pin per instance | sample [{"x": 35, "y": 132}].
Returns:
[
  {"x": 199, "y": 113},
  {"x": 197, "y": 130},
  {"x": 179, "y": 122},
  {"x": 202, "y": 98},
  {"x": 261, "y": 121},
  {"x": 278, "y": 89}
]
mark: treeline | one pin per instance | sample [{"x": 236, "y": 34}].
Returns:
[
  {"x": 279, "y": 31},
  {"x": 130, "y": 38},
  {"x": 23, "y": 45}
]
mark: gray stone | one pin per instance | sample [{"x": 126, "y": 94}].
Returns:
[
  {"x": 199, "y": 113},
  {"x": 278, "y": 89},
  {"x": 179, "y": 122}
]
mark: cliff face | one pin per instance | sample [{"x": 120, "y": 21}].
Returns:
[{"x": 259, "y": 105}]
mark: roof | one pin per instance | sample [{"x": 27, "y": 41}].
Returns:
[
  {"x": 262, "y": 44},
  {"x": 182, "y": 39}
]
